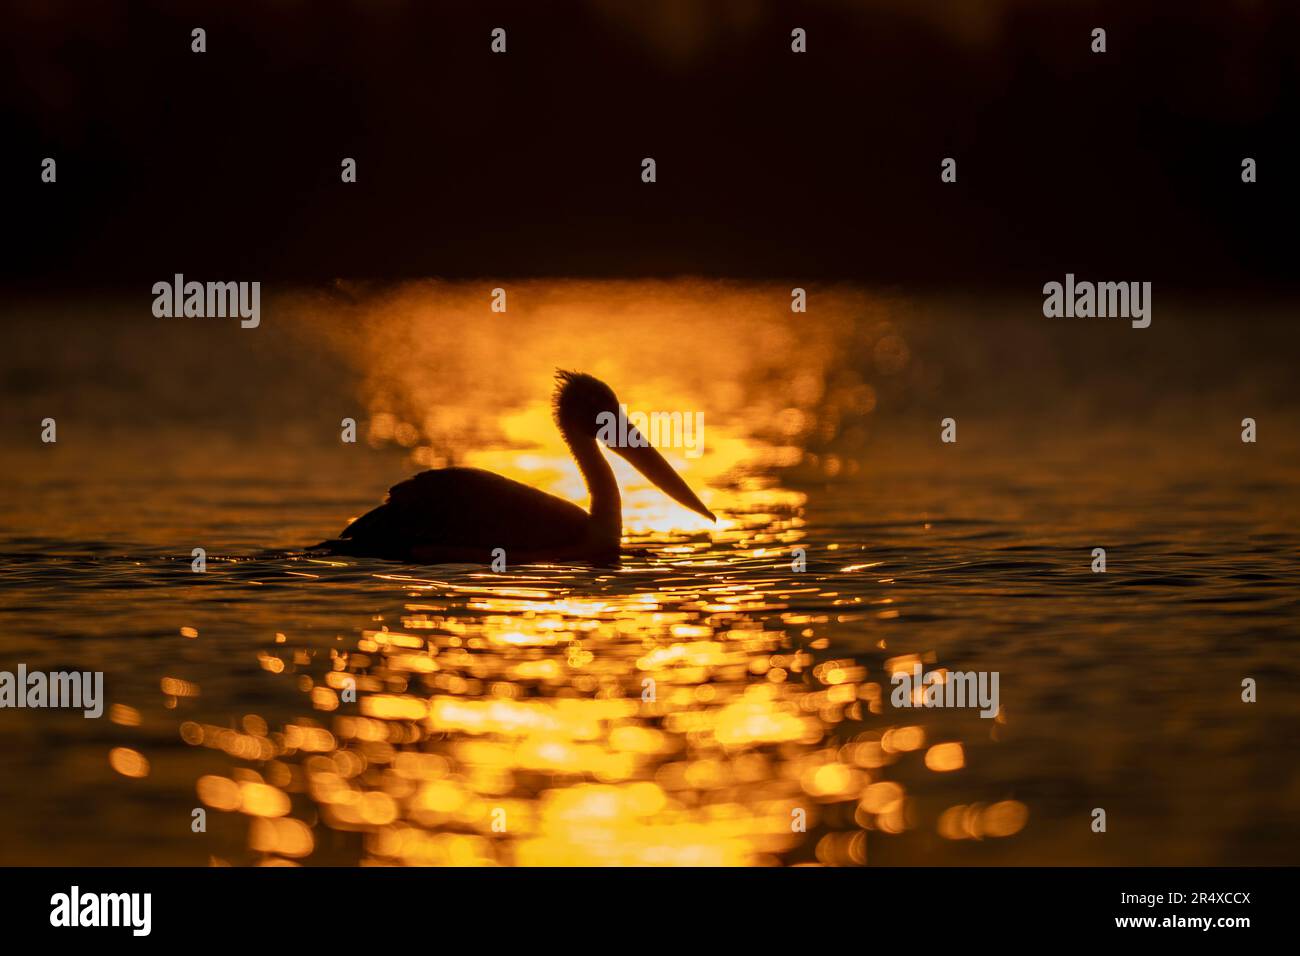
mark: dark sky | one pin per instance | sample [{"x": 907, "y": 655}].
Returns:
[{"x": 1122, "y": 166}]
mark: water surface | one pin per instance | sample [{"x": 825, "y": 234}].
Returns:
[{"x": 691, "y": 704}]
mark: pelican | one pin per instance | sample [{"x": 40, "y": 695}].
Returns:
[{"x": 454, "y": 515}]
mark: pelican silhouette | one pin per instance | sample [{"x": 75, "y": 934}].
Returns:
[{"x": 463, "y": 514}]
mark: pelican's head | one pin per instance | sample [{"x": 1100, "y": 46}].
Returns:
[{"x": 585, "y": 407}]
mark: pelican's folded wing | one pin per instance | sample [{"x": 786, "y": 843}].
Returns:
[{"x": 469, "y": 507}]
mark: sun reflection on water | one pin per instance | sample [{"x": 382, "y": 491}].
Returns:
[{"x": 560, "y": 716}]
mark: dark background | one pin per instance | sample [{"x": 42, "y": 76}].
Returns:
[{"x": 225, "y": 165}]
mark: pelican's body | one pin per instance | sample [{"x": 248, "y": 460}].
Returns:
[{"x": 465, "y": 514}]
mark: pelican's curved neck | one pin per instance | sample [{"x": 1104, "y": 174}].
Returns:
[{"x": 606, "y": 505}]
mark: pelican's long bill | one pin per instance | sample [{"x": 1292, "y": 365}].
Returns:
[{"x": 646, "y": 459}]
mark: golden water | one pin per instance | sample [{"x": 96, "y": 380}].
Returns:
[{"x": 704, "y": 703}]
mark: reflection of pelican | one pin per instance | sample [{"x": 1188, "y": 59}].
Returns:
[{"x": 464, "y": 514}]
